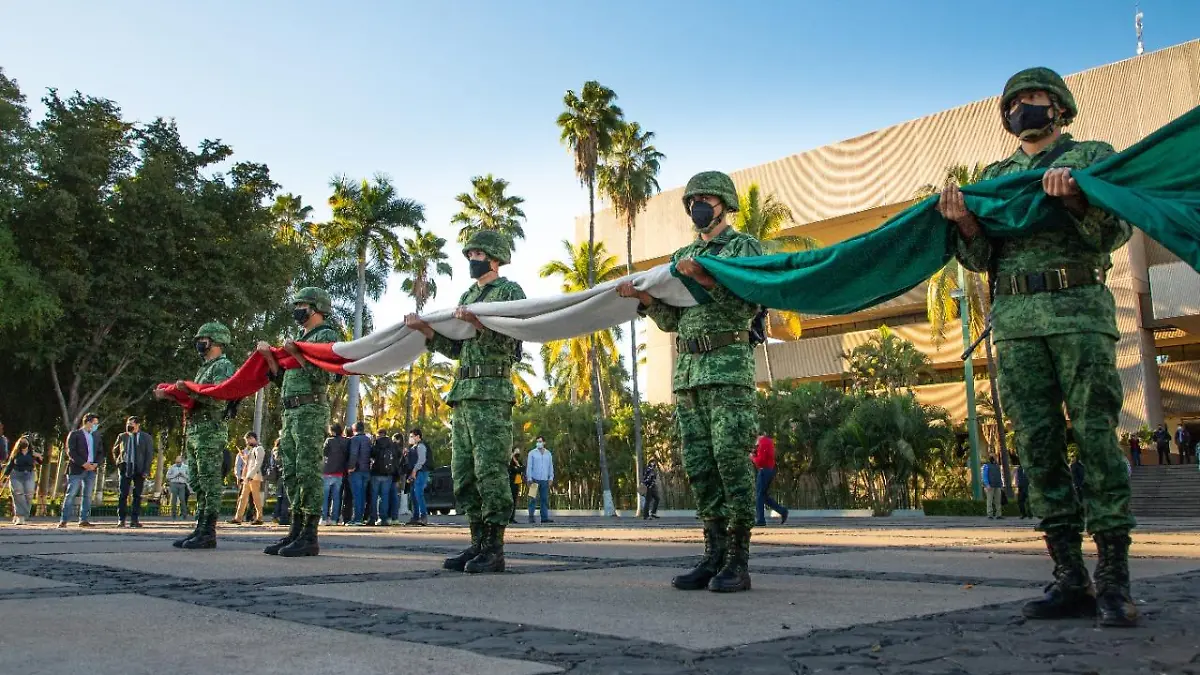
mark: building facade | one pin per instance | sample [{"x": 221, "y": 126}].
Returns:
[{"x": 847, "y": 188}]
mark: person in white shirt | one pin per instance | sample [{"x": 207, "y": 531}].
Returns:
[
  {"x": 251, "y": 480},
  {"x": 539, "y": 470},
  {"x": 177, "y": 481}
]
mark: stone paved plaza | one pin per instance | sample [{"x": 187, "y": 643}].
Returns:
[{"x": 581, "y": 596}]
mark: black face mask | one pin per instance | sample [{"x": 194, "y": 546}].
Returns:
[
  {"x": 301, "y": 314},
  {"x": 202, "y": 347},
  {"x": 129, "y": 428},
  {"x": 702, "y": 216},
  {"x": 480, "y": 268},
  {"x": 1029, "y": 119}
]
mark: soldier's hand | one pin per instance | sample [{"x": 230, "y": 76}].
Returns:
[
  {"x": 180, "y": 386},
  {"x": 160, "y": 394},
  {"x": 953, "y": 207},
  {"x": 1060, "y": 183},
  {"x": 416, "y": 323},
  {"x": 688, "y": 267},
  {"x": 464, "y": 314},
  {"x": 263, "y": 347},
  {"x": 626, "y": 289}
]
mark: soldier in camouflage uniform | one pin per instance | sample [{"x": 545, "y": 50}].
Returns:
[
  {"x": 482, "y": 398},
  {"x": 714, "y": 387},
  {"x": 303, "y": 392},
  {"x": 207, "y": 435},
  {"x": 1054, "y": 323}
]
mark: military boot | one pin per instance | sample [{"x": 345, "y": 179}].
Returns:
[
  {"x": 459, "y": 562},
  {"x": 491, "y": 553},
  {"x": 296, "y": 524},
  {"x": 1071, "y": 593},
  {"x": 305, "y": 544},
  {"x": 207, "y": 537},
  {"x": 178, "y": 543},
  {"x": 1112, "y": 579},
  {"x": 735, "y": 575},
  {"x": 712, "y": 561}
]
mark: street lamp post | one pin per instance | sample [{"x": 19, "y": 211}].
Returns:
[{"x": 964, "y": 313}]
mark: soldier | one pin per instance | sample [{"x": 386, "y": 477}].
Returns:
[
  {"x": 482, "y": 398},
  {"x": 1054, "y": 323},
  {"x": 207, "y": 434},
  {"x": 714, "y": 387},
  {"x": 305, "y": 419}
]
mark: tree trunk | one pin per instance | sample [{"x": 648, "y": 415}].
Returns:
[
  {"x": 360, "y": 302},
  {"x": 609, "y": 509},
  {"x": 408, "y": 400},
  {"x": 767, "y": 362},
  {"x": 638, "y": 457},
  {"x": 1000, "y": 431}
]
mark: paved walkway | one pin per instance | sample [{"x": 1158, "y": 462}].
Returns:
[{"x": 581, "y": 596}]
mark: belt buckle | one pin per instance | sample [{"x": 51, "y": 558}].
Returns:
[
  {"x": 1061, "y": 273},
  {"x": 706, "y": 343},
  {"x": 477, "y": 370},
  {"x": 1014, "y": 285}
]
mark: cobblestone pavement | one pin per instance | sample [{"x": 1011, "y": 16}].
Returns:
[{"x": 592, "y": 596}]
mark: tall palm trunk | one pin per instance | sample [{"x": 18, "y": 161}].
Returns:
[
  {"x": 609, "y": 509},
  {"x": 767, "y": 362},
  {"x": 260, "y": 405},
  {"x": 408, "y": 400},
  {"x": 638, "y": 458},
  {"x": 360, "y": 302}
]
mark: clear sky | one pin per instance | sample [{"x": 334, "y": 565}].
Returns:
[{"x": 433, "y": 93}]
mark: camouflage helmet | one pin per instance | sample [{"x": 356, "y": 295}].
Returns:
[
  {"x": 1038, "y": 78},
  {"x": 497, "y": 246},
  {"x": 317, "y": 297},
  {"x": 712, "y": 183},
  {"x": 215, "y": 331}
]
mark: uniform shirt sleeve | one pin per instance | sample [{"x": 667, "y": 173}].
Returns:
[
  {"x": 976, "y": 254},
  {"x": 490, "y": 339},
  {"x": 221, "y": 370},
  {"x": 1100, "y": 230},
  {"x": 316, "y": 375},
  {"x": 740, "y": 247}
]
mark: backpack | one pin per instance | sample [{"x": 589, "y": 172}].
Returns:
[{"x": 383, "y": 459}]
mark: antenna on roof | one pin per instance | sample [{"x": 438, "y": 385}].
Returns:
[{"x": 1137, "y": 25}]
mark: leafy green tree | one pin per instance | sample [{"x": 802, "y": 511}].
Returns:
[
  {"x": 487, "y": 207},
  {"x": 424, "y": 259},
  {"x": 887, "y": 362}
]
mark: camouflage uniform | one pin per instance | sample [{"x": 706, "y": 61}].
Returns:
[
  {"x": 715, "y": 400},
  {"x": 482, "y": 398},
  {"x": 1059, "y": 346}
]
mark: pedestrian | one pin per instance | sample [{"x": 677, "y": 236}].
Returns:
[
  {"x": 252, "y": 478},
  {"x": 177, "y": 482},
  {"x": 3, "y": 444},
  {"x": 716, "y": 408},
  {"x": 383, "y": 469},
  {"x": 764, "y": 461},
  {"x": 1135, "y": 449},
  {"x": 1183, "y": 441},
  {"x": 516, "y": 479},
  {"x": 303, "y": 391},
  {"x": 283, "y": 515},
  {"x": 993, "y": 485},
  {"x": 133, "y": 451},
  {"x": 1054, "y": 326},
  {"x": 402, "y": 493},
  {"x": 359, "y": 471},
  {"x": 419, "y": 473},
  {"x": 539, "y": 471},
  {"x": 650, "y": 483},
  {"x": 18, "y": 469},
  {"x": 482, "y": 398},
  {"x": 1022, "y": 481},
  {"x": 207, "y": 434},
  {"x": 336, "y": 452},
  {"x": 83, "y": 454},
  {"x": 1162, "y": 443}
]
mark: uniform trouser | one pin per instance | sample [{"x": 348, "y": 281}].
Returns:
[
  {"x": 251, "y": 491},
  {"x": 137, "y": 482},
  {"x": 716, "y": 426},
  {"x": 206, "y": 443},
  {"x": 300, "y": 443},
  {"x": 482, "y": 439},
  {"x": 1039, "y": 375}
]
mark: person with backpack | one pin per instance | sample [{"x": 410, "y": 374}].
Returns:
[{"x": 383, "y": 465}]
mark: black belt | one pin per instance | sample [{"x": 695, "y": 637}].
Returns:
[
  {"x": 290, "y": 402},
  {"x": 1068, "y": 276},
  {"x": 488, "y": 370},
  {"x": 711, "y": 342}
]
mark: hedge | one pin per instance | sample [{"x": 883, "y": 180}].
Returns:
[{"x": 966, "y": 507}]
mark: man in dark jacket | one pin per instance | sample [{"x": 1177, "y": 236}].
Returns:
[
  {"x": 383, "y": 467},
  {"x": 337, "y": 451},
  {"x": 84, "y": 454},
  {"x": 1183, "y": 440},
  {"x": 359, "y": 470},
  {"x": 132, "y": 451},
  {"x": 1022, "y": 482},
  {"x": 1162, "y": 443}
]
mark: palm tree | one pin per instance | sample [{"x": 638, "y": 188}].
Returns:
[
  {"x": 293, "y": 220},
  {"x": 629, "y": 178},
  {"x": 366, "y": 216},
  {"x": 431, "y": 380},
  {"x": 424, "y": 257},
  {"x": 520, "y": 371},
  {"x": 587, "y": 127},
  {"x": 765, "y": 219},
  {"x": 488, "y": 208}
]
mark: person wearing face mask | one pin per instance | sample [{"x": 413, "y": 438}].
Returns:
[
  {"x": 714, "y": 386},
  {"x": 207, "y": 434},
  {"x": 482, "y": 398},
  {"x": 1054, "y": 324},
  {"x": 133, "y": 450},
  {"x": 304, "y": 392},
  {"x": 83, "y": 457}
]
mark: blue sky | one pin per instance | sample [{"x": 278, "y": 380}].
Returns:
[{"x": 433, "y": 93}]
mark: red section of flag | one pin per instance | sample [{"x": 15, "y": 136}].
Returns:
[{"x": 252, "y": 376}]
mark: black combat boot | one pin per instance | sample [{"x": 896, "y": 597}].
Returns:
[
  {"x": 1112, "y": 579},
  {"x": 207, "y": 538},
  {"x": 735, "y": 575},
  {"x": 491, "y": 554},
  {"x": 712, "y": 562},
  {"x": 1071, "y": 593},
  {"x": 178, "y": 543},
  {"x": 306, "y": 543},
  {"x": 296, "y": 524},
  {"x": 459, "y": 562}
]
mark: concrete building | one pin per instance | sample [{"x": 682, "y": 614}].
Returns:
[{"x": 846, "y": 188}]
